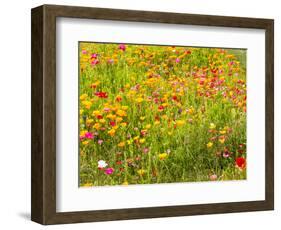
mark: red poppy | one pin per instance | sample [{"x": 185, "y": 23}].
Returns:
[
  {"x": 241, "y": 151},
  {"x": 202, "y": 80},
  {"x": 143, "y": 132},
  {"x": 212, "y": 84},
  {"x": 95, "y": 62},
  {"x": 240, "y": 162},
  {"x": 214, "y": 70},
  {"x": 93, "y": 86},
  {"x": 99, "y": 116},
  {"x": 156, "y": 100},
  {"x": 161, "y": 108},
  {"x": 101, "y": 94},
  {"x": 175, "y": 98},
  {"x": 112, "y": 123},
  {"x": 118, "y": 99}
]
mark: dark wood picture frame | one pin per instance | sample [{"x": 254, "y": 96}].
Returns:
[{"x": 43, "y": 188}]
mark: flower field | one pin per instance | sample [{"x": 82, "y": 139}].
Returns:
[{"x": 161, "y": 114}]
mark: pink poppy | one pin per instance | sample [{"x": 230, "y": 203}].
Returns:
[
  {"x": 122, "y": 47},
  {"x": 231, "y": 63},
  {"x": 89, "y": 135},
  {"x": 213, "y": 177},
  {"x": 145, "y": 150},
  {"x": 100, "y": 142},
  {"x": 106, "y": 109},
  {"x": 110, "y": 61},
  {"x": 226, "y": 154},
  {"x": 109, "y": 171},
  {"x": 94, "y": 55}
]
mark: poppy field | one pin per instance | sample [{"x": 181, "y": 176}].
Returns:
[{"x": 161, "y": 114}]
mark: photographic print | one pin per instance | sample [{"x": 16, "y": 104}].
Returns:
[
  {"x": 122, "y": 109},
  {"x": 161, "y": 114}
]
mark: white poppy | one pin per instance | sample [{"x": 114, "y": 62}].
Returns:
[{"x": 102, "y": 164}]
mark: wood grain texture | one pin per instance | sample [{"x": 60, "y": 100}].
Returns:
[
  {"x": 37, "y": 115},
  {"x": 43, "y": 207},
  {"x": 269, "y": 113}
]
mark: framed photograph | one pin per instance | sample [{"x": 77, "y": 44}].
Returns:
[{"x": 139, "y": 114}]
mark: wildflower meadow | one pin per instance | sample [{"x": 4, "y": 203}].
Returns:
[{"x": 160, "y": 114}]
